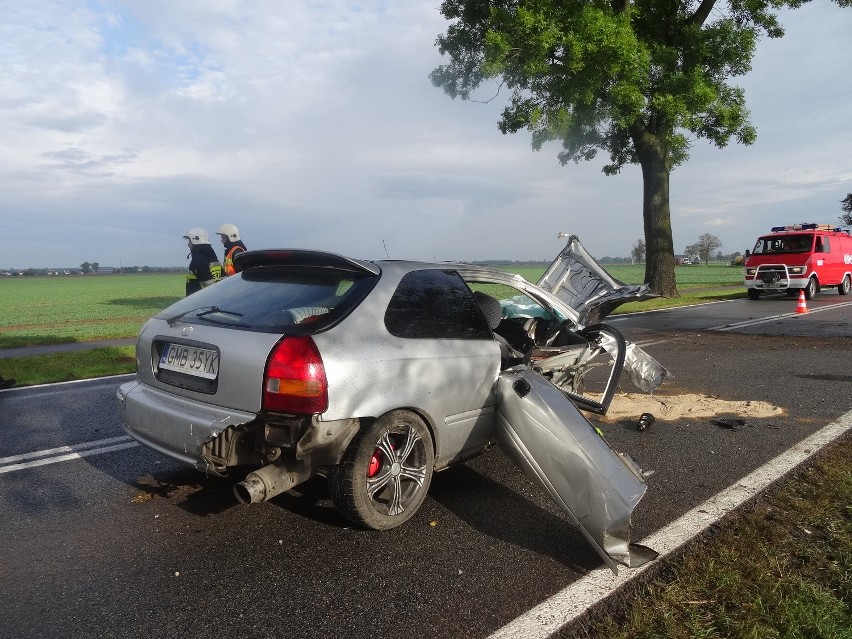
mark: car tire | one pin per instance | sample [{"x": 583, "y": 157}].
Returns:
[
  {"x": 753, "y": 294},
  {"x": 811, "y": 289},
  {"x": 844, "y": 286},
  {"x": 385, "y": 473}
]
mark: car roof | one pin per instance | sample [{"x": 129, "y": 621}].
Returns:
[
  {"x": 308, "y": 257},
  {"x": 573, "y": 281}
]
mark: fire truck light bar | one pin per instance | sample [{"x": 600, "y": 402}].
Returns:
[{"x": 812, "y": 226}]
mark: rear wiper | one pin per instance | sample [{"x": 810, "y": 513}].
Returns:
[
  {"x": 216, "y": 309},
  {"x": 171, "y": 320},
  {"x": 205, "y": 310}
]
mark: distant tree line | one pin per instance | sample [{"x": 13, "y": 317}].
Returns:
[
  {"x": 150, "y": 269},
  {"x": 90, "y": 269}
]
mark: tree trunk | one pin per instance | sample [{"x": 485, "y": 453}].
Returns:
[{"x": 653, "y": 156}]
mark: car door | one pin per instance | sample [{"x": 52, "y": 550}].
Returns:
[{"x": 545, "y": 434}]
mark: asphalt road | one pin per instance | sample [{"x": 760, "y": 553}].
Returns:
[{"x": 128, "y": 544}]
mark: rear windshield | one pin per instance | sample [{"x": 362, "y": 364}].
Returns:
[
  {"x": 800, "y": 243},
  {"x": 276, "y": 299}
]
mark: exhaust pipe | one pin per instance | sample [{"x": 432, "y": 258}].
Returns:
[{"x": 270, "y": 481}]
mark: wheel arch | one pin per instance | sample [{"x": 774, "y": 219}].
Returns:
[
  {"x": 813, "y": 279},
  {"x": 422, "y": 415}
]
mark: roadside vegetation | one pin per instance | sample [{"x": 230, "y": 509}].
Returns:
[
  {"x": 781, "y": 568},
  {"x": 66, "y": 367}
]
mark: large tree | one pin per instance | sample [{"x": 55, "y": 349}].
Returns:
[
  {"x": 634, "y": 79},
  {"x": 638, "y": 251},
  {"x": 846, "y": 205},
  {"x": 704, "y": 247}
]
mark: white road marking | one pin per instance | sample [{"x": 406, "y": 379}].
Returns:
[
  {"x": 565, "y": 606},
  {"x": 64, "y": 453},
  {"x": 772, "y": 318}
]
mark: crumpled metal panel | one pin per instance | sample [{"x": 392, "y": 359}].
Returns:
[
  {"x": 547, "y": 436},
  {"x": 579, "y": 281},
  {"x": 644, "y": 371},
  {"x": 172, "y": 425}
]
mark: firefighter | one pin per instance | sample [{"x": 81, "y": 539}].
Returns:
[
  {"x": 230, "y": 237},
  {"x": 204, "y": 267}
]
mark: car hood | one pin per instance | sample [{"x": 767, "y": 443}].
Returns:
[{"x": 579, "y": 281}]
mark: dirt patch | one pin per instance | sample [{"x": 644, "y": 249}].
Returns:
[{"x": 689, "y": 405}]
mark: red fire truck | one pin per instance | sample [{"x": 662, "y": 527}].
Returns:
[{"x": 800, "y": 257}]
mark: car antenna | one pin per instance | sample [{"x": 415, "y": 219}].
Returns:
[{"x": 386, "y": 249}]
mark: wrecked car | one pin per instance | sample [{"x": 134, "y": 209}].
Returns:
[{"x": 376, "y": 374}]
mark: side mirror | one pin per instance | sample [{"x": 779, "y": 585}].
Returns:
[{"x": 747, "y": 253}]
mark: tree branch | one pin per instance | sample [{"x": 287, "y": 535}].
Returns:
[{"x": 702, "y": 12}]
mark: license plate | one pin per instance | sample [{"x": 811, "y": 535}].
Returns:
[{"x": 199, "y": 362}]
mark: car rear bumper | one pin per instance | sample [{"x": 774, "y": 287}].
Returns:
[{"x": 171, "y": 425}]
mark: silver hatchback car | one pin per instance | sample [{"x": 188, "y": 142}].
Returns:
[{"x": 377, "y": 374}]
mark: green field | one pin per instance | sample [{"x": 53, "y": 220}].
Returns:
[{"x": 56, "y": 310}]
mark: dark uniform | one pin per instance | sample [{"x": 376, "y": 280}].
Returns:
[{"x": 204, "y": 266}]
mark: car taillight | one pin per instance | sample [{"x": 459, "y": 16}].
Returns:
[{"x": 295, "y": 379}]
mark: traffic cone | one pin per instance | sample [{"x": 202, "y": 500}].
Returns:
[{"x": 801, "y": 307}]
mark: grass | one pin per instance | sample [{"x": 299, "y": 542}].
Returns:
[
  {"x": 64, "y": 367},
  {"x": 55, "y": 310},
  {"x": 62, "y": 310},
  {"x": 782, "y": 568}
]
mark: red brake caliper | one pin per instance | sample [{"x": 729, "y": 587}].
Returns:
[{"x": 375, "y": 463}]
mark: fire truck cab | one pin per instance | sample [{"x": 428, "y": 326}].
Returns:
[{"x": 800, "y": 257}]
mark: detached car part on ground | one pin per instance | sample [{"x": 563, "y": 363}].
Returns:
[{"x": 377, "y": 374}]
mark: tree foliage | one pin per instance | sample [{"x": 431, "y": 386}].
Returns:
[
  {"x": 846, "y": 205},
  {"x": 638, "y": 251},
  {"x": 638, "y": 80},
  {"x": 704, "y": 247}
]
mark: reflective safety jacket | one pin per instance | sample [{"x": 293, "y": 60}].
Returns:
[{"x": 231, "y": 250}]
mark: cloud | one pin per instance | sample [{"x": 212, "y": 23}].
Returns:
[{"x": 315, "y": 125}]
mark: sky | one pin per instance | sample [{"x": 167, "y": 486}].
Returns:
[{"x": 315, "y": 125}]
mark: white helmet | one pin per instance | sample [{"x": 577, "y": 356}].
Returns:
[
  {"x": 196, "y": 236},
  {"x": 230, "y": 231}
]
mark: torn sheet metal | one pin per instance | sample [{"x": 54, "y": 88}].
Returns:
[
  {"x": 605, "y": 348},
  {"x": 548, "y": 437},
  {"x": 579, "y": 281},
  {"x": 645, "y": 372}
]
